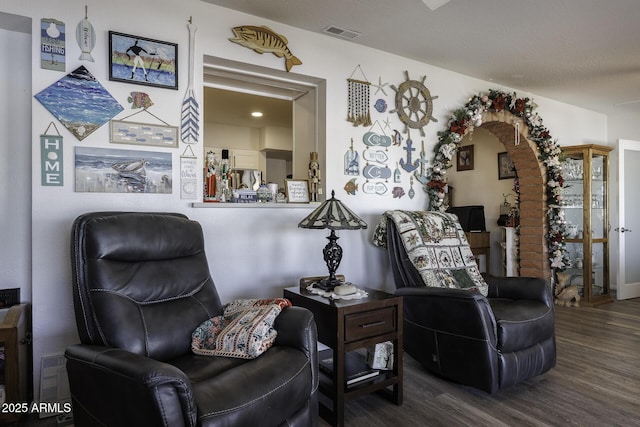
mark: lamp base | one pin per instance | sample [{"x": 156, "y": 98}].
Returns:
[{"x": 328, "y": 284}]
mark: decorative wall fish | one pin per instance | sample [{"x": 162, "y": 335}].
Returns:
[
  {"x": 264, "y": 39},
  {"x": 139, "y": 100},
  {"x": 86, "y": 37}
]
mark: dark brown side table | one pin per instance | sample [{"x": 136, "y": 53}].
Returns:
[{"x": 348, "y": 325}]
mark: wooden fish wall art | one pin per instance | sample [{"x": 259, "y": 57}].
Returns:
[
  {"x": 264, "y": 39},
  {"x": 86, "y": 37}
]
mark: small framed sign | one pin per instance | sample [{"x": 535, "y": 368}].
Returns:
[{"x": 297, "y": 190}]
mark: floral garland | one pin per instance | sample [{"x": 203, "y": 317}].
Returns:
[{"x": 471, "y": 115}]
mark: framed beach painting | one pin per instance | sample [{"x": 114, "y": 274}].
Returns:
[
  {"x": 106, "y": 170},
  {"x": 143, "y": 61}
]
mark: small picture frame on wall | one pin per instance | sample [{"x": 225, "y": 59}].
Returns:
[
  {"x": 506, "y": 169},
  {"x": 297, "y": 190},
  {"x": 464, "y": 158},
  {"x": 142, "y": 61}
]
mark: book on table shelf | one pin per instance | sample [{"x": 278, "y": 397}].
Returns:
[{"x": 356, "y": 368}]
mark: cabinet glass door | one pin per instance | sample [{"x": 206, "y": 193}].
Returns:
[{"x": 585, "y": 206}]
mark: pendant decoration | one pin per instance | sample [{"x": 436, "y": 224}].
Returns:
[
  {"x": 51, "y": 158},
  {"x": 190, "y": 119},
  {"x": 412, "y": 192},
  {"x": 397, "y": 174},
  {"x": 377, "y": 188},
  {"x": 188, "y": 174},
  {"x": 408, "y": 165},
  {"x": 351, "y": 161},
  {"x": 376, "y": 172},
  {"x": 414, "y": 104},
  {"x": 422, "y": 176},
  {"x": 351, "y": 186},
  {"x": 358, "y": 100},
  {"x": 86, "y": 37},
  {"x": 378, "y": 156},
  {"x": 52, "y": 44}
]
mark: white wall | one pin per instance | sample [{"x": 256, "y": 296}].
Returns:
[
  {"x": 15, "y": 162},
  {"x": 252, "y": 252}
]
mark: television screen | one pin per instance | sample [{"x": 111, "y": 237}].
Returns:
[{"x": 471, "y": 217}]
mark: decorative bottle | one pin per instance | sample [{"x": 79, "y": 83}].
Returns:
[
  {"x": 210, "y": 180},
  {"x": 223, "y": 178}
]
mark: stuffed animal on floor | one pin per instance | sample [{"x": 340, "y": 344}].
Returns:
[{"x": 566, "y": 296}]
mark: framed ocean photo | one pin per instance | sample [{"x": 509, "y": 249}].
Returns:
[
  {"x": 143, "y": 61},
  {"x": 106, "y": 170}
]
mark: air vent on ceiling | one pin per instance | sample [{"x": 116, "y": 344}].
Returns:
[{"x": 341, "y": 32}]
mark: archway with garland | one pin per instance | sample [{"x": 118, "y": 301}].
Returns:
[{"x": 535, "y": 155}]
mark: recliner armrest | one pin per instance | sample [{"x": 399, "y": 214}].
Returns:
[
  {"x": 517, "y": 288},
  {"x": 297, "y": 328},
  {"x": 118, "y": 387}
]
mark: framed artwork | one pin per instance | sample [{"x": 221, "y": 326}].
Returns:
[
  {"x": 135, "y": 133},
  {"x": 297, "y": 190},
  {"x": 464, "y": 158},
  {"x": 106, "y": 170},
  {"x": 506, "y": 169},
  {"x": 143, "y": 61}
]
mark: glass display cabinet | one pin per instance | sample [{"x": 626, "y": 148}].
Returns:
[{"x": 586, "y": 205}]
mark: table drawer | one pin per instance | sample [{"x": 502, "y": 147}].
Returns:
[{"x": 369, "y": 324}]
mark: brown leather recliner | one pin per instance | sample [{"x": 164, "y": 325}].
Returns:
[
  {"x": 489, "y": 343},
  {"x": 141, "y": 285}
]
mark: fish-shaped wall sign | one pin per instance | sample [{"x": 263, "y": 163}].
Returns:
[
  {"x": 86, "y": 37},
  {"x": 264, "y": 39},
  {"x": 139, "y": 100}
]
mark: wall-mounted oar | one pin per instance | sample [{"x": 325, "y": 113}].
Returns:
[{"x": 190, "y": 120}]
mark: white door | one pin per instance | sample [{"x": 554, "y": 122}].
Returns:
[{"x": 628, "y": 229}]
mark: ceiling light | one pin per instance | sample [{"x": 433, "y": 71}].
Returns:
[{"x": 256, "y": 114}]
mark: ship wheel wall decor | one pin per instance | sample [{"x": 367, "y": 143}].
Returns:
[{"x": 414, "y": 104}]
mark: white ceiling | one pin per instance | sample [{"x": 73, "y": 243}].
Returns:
[{"x": 582, "y": 52}]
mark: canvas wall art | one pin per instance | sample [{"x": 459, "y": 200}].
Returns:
[
  {"x": 79, "y": 102},
  {"x": 143, "y": 61},
  {"x": 105, "y": 170}
]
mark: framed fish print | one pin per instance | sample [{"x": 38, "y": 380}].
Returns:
[
  {"x": 135, "y": 133},
  {"x": 143, "y": 61}
]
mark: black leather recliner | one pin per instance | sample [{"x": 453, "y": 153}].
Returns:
[
  {"x": 488, "y": 343},
  {"x": 141, "y": 285}
]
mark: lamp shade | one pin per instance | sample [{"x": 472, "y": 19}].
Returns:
[{"x": 334, "y": 215}]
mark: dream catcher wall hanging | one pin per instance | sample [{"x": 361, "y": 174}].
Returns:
[{"x": 359, "y": 100}]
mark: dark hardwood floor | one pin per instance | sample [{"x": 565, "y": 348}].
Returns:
[{"x": 596, "y": 382}]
